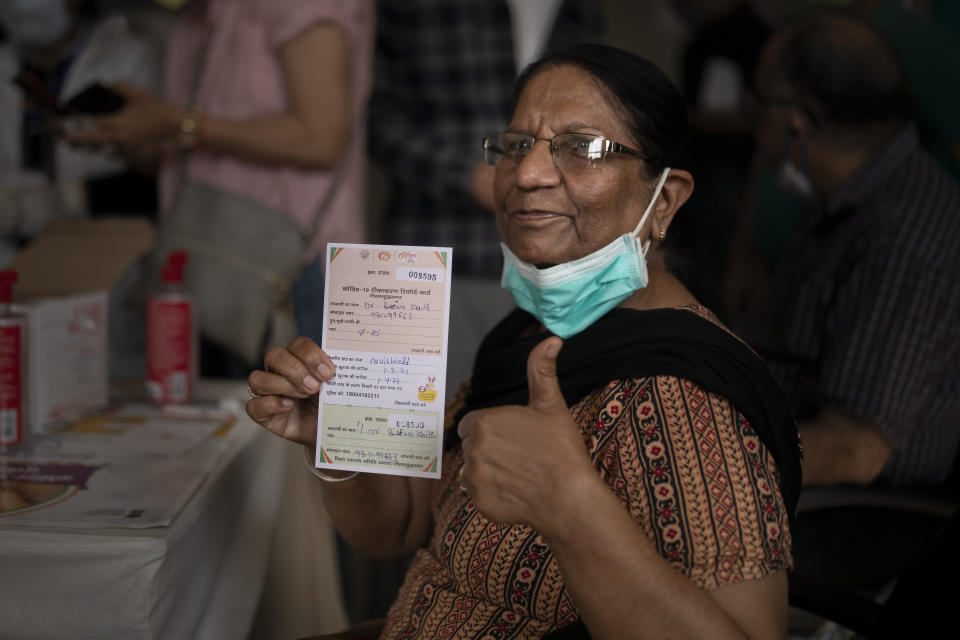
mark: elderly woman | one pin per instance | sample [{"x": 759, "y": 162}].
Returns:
[{"x": 619, "y": 464}]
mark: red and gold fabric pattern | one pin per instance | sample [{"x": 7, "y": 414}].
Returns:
[{"x": 685, "y": 464}]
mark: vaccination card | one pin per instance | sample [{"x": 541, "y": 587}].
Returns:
[{"x": 385, "y": 320}]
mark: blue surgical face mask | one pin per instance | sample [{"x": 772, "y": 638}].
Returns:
[{"x": 569, "y": 297}]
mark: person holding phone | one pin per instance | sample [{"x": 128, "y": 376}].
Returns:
[
  {"x": 264, "y": 99},
  {"x": 56, "y": 50}
]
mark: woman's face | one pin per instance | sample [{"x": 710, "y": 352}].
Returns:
[{"x": 546, "y": 216}]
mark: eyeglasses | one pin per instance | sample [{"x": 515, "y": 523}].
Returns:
[{"x": 570, "y": 151}]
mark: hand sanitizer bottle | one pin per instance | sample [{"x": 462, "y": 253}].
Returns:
[
  {"x": 14, "y": 423},
  {"x": 171, "y": 337}
]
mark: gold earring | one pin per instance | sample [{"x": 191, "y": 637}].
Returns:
[{"x": 663, "y": 234}]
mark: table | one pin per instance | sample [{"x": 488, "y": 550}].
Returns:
[{"x": 195, "y": 573}]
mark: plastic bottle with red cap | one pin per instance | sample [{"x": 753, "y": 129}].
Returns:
[
  {"x": 171, "y": 336},
  {"x": 14, "y": 422}
]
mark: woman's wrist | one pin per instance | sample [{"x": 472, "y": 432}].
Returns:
[
  {"x": 560, "y": 518},
  {"x": 189, "y": 128},
  {"x": 333, "y": 479}
]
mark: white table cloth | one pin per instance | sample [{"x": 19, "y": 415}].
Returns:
[{"x": 199, "y": 576}]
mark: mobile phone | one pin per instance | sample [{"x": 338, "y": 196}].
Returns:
[{"x": 96, "y": 99}]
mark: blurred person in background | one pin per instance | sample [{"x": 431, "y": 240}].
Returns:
[
  {"x": 53, "y": 51},
  {"x": 927, "y": 40},
  {"x": 266, "y": 99},
  {"x": 861, "y": 322},
  {"x": 861, "y": 319}
]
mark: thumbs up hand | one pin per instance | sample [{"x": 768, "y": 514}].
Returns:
[{"x": 524, "y": 464}]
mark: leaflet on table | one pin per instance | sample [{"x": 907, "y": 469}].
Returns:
[
  {"x": 385, "y": 320},
  {"x": 134, "y": 466}
]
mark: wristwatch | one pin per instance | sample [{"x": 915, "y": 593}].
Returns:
[{"x": 189, "y": 137}]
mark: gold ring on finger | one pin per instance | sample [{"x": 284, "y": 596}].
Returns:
[{"x": 252, "y": 393}]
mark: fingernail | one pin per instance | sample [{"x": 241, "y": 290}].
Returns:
[
  {"x": 324, "y": 370},
  {"x": 311, "y": 383},
  {"x": 287, "y": 403}
]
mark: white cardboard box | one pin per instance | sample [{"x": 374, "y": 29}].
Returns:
[{"x": 65, "y": 277}]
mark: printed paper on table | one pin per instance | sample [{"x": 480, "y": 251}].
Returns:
[{"x": 385, "y": 321}]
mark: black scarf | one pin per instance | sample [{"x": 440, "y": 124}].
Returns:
[{"x": 627, "y": 343}]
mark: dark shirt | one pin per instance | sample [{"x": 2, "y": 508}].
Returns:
[{"x": 864, "y": 315}]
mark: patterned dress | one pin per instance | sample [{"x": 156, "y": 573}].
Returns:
[{"x": 685, "y": 464}]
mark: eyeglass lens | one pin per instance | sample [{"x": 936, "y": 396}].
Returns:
[{"x": 571, "y": 151}]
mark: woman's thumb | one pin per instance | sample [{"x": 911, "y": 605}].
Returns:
[{"x": 542, "y": 374}]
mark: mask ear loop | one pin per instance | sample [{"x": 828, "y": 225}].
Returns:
[{"x": 656, "y": 194}]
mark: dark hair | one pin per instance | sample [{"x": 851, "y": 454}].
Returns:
[
  {"x": 654, "y": 108},
  {"x": 843, "y": 72}
]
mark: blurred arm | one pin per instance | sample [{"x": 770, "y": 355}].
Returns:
[
  {"x": 312, "y": 133},
  {"x": 839, "y": 449}
]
